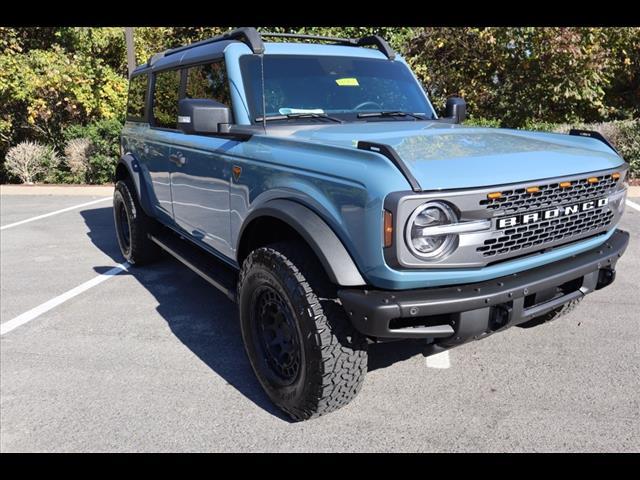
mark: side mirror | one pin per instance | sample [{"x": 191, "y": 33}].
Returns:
[
  {"x": 456, "y": 109},
  {"x": 200, "y": 115}
]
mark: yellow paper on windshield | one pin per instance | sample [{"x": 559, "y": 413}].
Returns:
[{"x": 347, "y": 82}]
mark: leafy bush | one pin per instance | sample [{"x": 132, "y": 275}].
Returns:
[
  {"x": 482, "y": 122},
  {"x": 628, "y": 144},
  {"x": 102, "y": 157},
  {"x": 47, "y": 88},
  {"x": 31, "y": 161}
]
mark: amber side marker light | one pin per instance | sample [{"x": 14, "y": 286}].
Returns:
[
  {"x": 565, "y": 184},
  {"x": 388, "y": 228},
  {"x": 615, "y": 176},
  {"x": 494, "y": 195},
  {"x": 592, "y": 180},
  {"x": 533, "y": 189}
]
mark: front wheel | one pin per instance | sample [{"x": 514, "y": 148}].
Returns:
[{"x": 306, "y": 354}]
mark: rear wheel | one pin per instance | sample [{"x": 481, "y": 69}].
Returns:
[
  {"x": 133, "y": 226},
  {"x": 301, "y": 345}
]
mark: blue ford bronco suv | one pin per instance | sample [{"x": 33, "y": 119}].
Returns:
[{"x": 312, "y": 182}]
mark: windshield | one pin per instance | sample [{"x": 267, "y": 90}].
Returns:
[{"x": 300, "y": 86}]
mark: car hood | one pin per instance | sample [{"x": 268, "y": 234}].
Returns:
[{"x": 447, "y": 156}]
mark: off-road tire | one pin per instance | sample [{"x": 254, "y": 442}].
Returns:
[
  {"x": 553, "y": 314},
  {"x": 333, "y": 354},
  {"x": 136, "y": 247}
]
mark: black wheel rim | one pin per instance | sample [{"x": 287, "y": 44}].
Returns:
[
  {"x": 123, "y": 223},
  {"x": 276, "y": 336}
]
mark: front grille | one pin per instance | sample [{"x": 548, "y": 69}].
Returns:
[
  {"x": 528, "y": 236},
  {"x": 573, "y": 212},
  {"x": 551, "y": 195}
]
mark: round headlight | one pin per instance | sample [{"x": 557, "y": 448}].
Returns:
[{"x": 430, "y": 214}]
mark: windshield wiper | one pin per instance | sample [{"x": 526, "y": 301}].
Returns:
[
  {"x": 289, "y": 116},
  {"x": 394, "y": 113}
]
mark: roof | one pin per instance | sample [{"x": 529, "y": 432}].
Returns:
[{"x": 250, "y": 39}]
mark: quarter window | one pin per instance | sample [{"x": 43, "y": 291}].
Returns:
[
  {"x": 165, "y": 99},
  {"x": 137, "y": 97},
  {"x": 208, "y": 81}
]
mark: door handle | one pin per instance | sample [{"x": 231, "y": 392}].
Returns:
[{"x": 178, "y": 159}]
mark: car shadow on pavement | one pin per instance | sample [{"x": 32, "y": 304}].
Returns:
[{"x": 204, "y": 319}]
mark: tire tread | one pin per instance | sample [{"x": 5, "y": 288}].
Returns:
[
  {"x": 342, "y": 367},
  {"x": 143, "y": 249}
]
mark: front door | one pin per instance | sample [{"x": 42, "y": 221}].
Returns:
[{"x": 201, "y": 169}]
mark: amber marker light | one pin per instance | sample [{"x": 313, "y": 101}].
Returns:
[
  {"x": 533, "y": 189},
  {"x": 615, "y": 176},
  {"x": 565, "y": 184},
  {"x": 494, "y": 195},
  {"x": 388, "y": 228},
  {"x": 592, "y": 179}
]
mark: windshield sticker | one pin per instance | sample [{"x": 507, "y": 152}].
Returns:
[
  {"x": 347, "y": 82},
  {"x": 287, "y": 111}
]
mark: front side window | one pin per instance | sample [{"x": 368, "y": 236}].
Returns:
[
  {"x": 339, "y": 86},
  {"x": 208, "y": 81},
  {"x": 137, "y": 97},
  {"x": 165, "y": 99}
]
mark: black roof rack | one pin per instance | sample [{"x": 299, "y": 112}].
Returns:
[
  {"x": 248, "y": 35},
  {"x": 375, "y": 40},
  {"x": 253, "y": 39}
]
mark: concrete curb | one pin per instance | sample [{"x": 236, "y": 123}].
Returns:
[{"x": 70, "y": 190}]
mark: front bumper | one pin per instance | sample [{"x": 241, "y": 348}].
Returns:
[{"x": 456, "y": 314}]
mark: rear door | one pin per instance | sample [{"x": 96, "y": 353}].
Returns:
[
  {"x": 200, "y": 181},
  {"x": 160, "y": 138}
]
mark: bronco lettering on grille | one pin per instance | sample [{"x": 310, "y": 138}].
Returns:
[{"x": 534, "y": 217}]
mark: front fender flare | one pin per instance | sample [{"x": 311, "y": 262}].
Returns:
[{"x": 332, "y": 254}]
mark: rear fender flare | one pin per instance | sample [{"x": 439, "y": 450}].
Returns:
[{"x": 130, "y": 163}]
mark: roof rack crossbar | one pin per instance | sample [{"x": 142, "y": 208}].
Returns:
[
  {"x": 373, "y": 40},
  {"x": 248, "y": 35},
  {"x": 253, "y": 39},
  {"x": 380, "y": 43},
  {"x": 301, "y": 36}
]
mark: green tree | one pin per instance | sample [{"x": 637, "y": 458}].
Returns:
[
  {"x": 52, "y": 78},
  {"x": 520, "y": 74}
]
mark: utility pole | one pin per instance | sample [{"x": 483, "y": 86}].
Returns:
[{"x": 131, "y": 49}]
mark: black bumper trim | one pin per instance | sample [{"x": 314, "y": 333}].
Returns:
[{"x": 474, "y": 310}]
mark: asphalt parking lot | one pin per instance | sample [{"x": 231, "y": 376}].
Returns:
[{"x": 151, "y": 359}]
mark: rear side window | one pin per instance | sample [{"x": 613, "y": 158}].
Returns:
[
  {"x": 165, "y": 99},
  {"x": 208, "y": 81},
  {"x": 137, "y": 98}
]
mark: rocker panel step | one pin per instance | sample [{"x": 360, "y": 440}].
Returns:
[{"x": 204, "y": 264}]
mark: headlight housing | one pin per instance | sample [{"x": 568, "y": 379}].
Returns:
[{"x": 426, "y": 242}]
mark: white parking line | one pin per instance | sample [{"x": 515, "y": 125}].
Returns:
[
  {"x": 54, "y": 302},
  {"x": 439, "y": 360},
  {"x": 11, "y": 225},
  {"x": 633, "y": 205}
]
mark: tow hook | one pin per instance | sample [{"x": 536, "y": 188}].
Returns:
[{"x": 606, "y": 276}]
